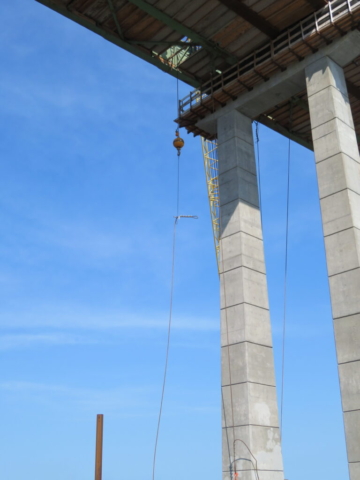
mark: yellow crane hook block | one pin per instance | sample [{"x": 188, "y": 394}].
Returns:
[{"x": 178, "y": 142}]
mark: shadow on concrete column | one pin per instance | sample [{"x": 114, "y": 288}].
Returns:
[{"x": 251, "y": 437}]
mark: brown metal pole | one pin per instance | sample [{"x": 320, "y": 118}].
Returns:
[{"x": 99, "y": 446}]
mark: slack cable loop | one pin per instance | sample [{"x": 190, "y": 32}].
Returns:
[{"x": 253, "y": 462}]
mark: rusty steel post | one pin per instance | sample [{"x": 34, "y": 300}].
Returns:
[{"x": 99, "y": 446}]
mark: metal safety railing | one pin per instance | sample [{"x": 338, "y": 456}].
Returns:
[{"x": 311, "y": 25}]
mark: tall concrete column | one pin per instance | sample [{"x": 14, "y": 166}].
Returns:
[
  {"x": 250, "y": 417},
  {"x": 338, "y": 171}
]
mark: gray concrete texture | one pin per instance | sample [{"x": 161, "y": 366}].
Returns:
[
  {"x": 354, "y": 470},
  {"x": 265, "y": 455},
  {"x": 250, "y": 418},
  {"x": 338, "y": 171},
  {"x": 245, "y": 323}
]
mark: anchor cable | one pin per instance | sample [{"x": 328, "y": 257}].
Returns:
[
  {"x": 258, "y": 167},
  {"x": 285, "y": 289}
]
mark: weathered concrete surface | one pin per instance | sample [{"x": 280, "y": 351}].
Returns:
[
  {"x": 250, "y": 418},
  {"x": 338, "y": 170},
  {"x": 286, "y": 84}
]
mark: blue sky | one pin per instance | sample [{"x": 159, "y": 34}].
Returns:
[{"x": 87, "y": 194}]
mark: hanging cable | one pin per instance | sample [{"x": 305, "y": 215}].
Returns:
[
  {"x": 258, "y": 166},
  {"x": 178, "y": 146},
  {"x": 253, "y": 462},
  {"x": 167, "y": 345},
  {"x": 285, "y": 281}
]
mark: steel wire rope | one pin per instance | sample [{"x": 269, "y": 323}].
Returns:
[
  {"x": 258, "y": 168},
  {"x": 227, "y": 436},
  {"x": 167, "y": 345},
  {"x": 171, "y": 297},
  {"x": 285, "y": 282},
  {"x": 253, "y": 463}
]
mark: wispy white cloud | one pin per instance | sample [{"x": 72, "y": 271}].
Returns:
[
  {"x": 26, "y": 340},
  {"x": 91, "y": 240},
  {"x": 76, "y": 317},
  {"x": 128, "y": 400},
  {"x": 125, "y": 399}
]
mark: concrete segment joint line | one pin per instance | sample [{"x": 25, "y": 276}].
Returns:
[
  {"x": 242, "y": 201},
  {"x": 345, "y": 271},
  {"x": 350, "y": 361},
  {"x": 243, "y": 383},
  {"x": 243, "y": 303},
  {"x": 242, "y": 266},
  {"x": 259, "y": 469},
  {"x": 241, "y": 231},
  {"x": 245, "y": 203},
  {"x": 231, "y": 138},
  {"x": 329, "y": 86},
  {"x": 336, "y": 233},
  {"x": 338, "y": 153},
  {"x": 237, "y": 167},
  {"x": 339, "y": 191},
  {"x": 247, "y": 341},
  {"x": 331, "y": 120},
  {"x": 250, "y": 425}
]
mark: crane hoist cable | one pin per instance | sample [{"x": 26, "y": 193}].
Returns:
[{"x": 178, "y": 144}]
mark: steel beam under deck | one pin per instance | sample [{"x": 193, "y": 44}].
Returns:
[
  {"x": 209, "y": 45},
  {"x": 116, "y": 40},
  {"x": 252, "y": 17}
]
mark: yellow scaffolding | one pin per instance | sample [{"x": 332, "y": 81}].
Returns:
[{"x": 211, "y": 165}]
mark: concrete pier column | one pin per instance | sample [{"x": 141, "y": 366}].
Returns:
[
  {"x": 251, "y": 438},
  {"x": 338, "y": 171}
]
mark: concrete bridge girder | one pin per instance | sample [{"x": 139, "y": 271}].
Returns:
[{"x": 284, "y": 85}]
